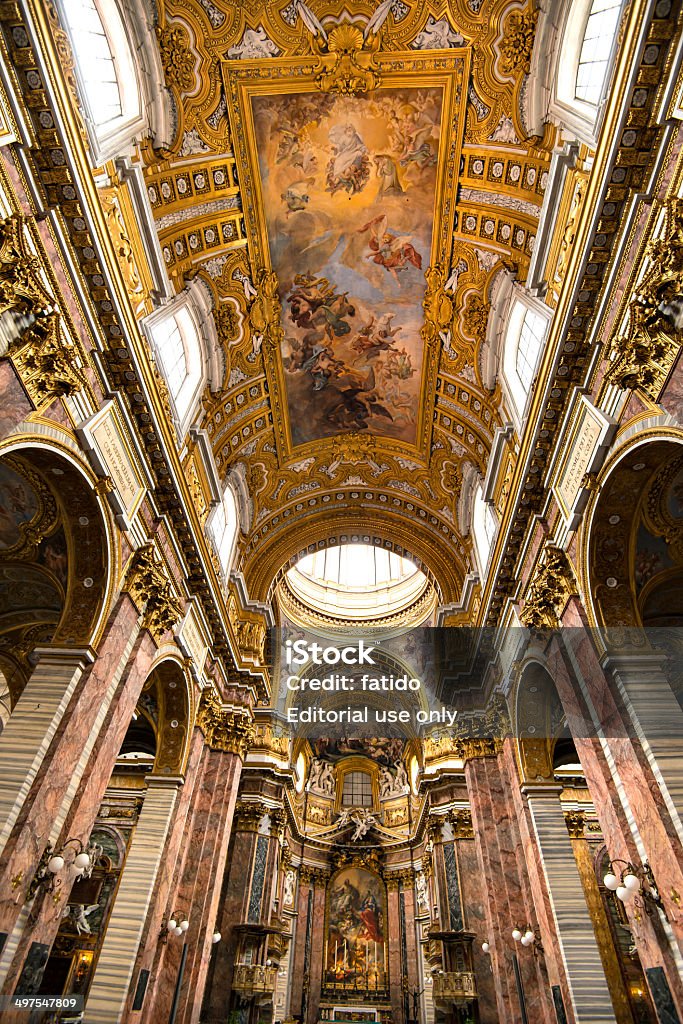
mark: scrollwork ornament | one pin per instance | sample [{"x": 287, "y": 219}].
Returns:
[
  {"x": 642, "y": 357},
  {"x": 348, "y": 66}
]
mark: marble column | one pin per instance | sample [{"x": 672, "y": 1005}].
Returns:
[
  {"x": 574, "y": 929},
  {"x": 114, "y": 970},
  {"x": 26, "y": 738},
  {"x": 300, "y": 940},
  {"x": 315, "y": 971},
  {"x": 657, "y": 720},
  {"x": 395, "y": 959},
  {"x": 83, "y": 797},
  {"x": 202, "y": 873},
  {"x": 234, "y": 910},
  {"x": 628, "y": 804},
  {"x": 510, "y": 900},
  {"x": 61, "y": 704},
  {"x": 152, "y": 953}
]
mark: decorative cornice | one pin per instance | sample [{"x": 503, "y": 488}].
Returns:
[
  {"x": 551, "y": 587},
  {"x": 148, "y": 584},
  {"x": 224, "y": 728}
]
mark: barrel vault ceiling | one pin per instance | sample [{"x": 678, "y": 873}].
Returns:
[{"x": 347, "y": 179}]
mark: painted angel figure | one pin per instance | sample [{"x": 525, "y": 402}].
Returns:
[{"x": 393, "y": 252}]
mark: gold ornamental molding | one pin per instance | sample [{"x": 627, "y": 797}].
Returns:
[
  {"x": 643, "y": 357},
  {"x": 225, "y": 728},
  {"x": 148, "y": 584},
  {"x": 48, "y": 363},
  {"x": 551, "y": 587},
  {"x": 347, "y": 65}
]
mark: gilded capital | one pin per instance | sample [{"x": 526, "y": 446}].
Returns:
[
  {"x": 148, "y": 584},
  {"x": 642, "y": 357},
  {"x": 224, "y": 727},
  {"x": 461, "y": 824},
  {"x": 550, "y": 589},
  {"x": 248, "y": 815},
  {"x": 576, "y": 823}
]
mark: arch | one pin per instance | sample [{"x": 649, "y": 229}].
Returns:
[
  {"x": 633, "y": 539},
  {"x": 264, "y": 566},
  {"x": 68, "y": 538},
  {"x": 538, "y": 719},
  {"x": 169, "y": 687}
]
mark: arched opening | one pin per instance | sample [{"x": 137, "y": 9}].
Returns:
[
  {"x": 54, "y": 560},
  {"x": 360, "y": 583},
  {"x": 635, "y": 538}
]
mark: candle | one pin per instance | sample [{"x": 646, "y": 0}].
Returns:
[{"x": 336, "y": 952}]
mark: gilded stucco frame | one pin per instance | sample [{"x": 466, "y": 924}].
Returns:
[{"x": 245, "y": 79}]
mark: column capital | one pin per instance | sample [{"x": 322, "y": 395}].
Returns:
[
  {"x": 552, "y": 585},
  {"x": 225, "y": 728},
  {"x": 151, "y": 591}
]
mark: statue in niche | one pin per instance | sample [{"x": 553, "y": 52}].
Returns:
[
  {"x": 421, "y": 890},
  {"x": 289, "y": 888},
  {"x": 322, "y": 777}
]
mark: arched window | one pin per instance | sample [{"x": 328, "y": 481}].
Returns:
[
  {"x": 177, "y": 345},
  {"x": 223, "y": 527},
  {"x": 119, "y": 74},
  {"x": 594, "y": 58},
  {"x": 583, "y": 62},
  {"x": 357, "y": 790},
  {"x": 526, "y": 332},
  {"x": 105, "y": 69},
  {"x": 484, "y": 526},
  {"x": 573, "y": 51}
]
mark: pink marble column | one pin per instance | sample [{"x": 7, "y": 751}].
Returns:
[
  {"x": 317, "y": 949},
  {"x": 199, "y": 893},
  {"x": 501, "y": 857},
  {"x": 48, "y": 799},
  {"x": 538, "y": 885},
  {"x": 413, "y": 966},
  {"x": 154, "y": 944},
  {"x": 298, "y": 954},
  {"x": 395, "y": 964},
  {"x": 233, "y": 912},
  {"x": 83, "y": 808},
  {"x": 622, "y": 788}
]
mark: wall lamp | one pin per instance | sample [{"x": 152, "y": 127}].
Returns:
[
  {"x": 79, "y": 860},
  {"x": 632, "y": 882}
]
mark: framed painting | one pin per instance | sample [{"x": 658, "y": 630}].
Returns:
[{"x": 348, "y": 188}]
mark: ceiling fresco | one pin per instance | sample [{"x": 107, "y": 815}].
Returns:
[
  {"x": 348, "y": 196},
  {"x": 348, "y": 179}
]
